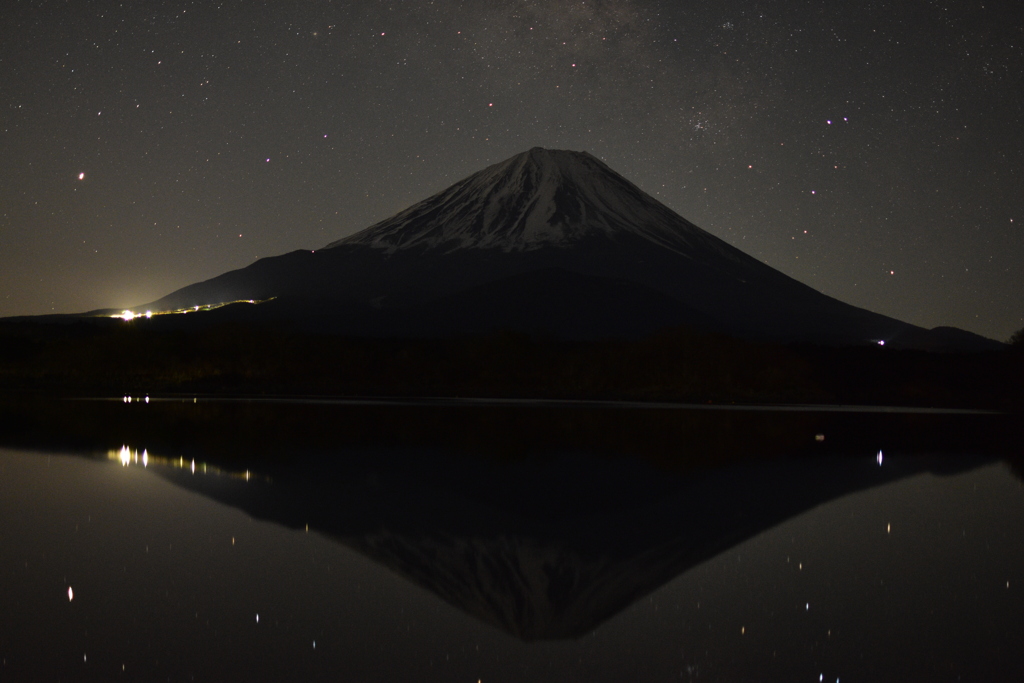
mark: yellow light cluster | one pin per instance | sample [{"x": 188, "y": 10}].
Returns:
[
  {"x": 131, "y": 456},
  {"x": 129, "y": 315}
]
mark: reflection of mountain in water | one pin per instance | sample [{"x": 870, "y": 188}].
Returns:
[
  {"x": 541, "y": 521},
  {"x": 545, "y": 550}
]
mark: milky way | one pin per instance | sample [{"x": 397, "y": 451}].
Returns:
[{"x": 872, "y": 150}]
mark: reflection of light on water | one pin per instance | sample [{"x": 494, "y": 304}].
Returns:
[{"x": 129, "y": 456}]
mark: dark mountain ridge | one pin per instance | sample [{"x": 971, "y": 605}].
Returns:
[{"x": 520, "y": 243}]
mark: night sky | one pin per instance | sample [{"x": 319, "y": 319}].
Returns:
[{"x": 872, "y": 150}]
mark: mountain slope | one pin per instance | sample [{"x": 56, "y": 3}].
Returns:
[{"x": 518, "y": 221}]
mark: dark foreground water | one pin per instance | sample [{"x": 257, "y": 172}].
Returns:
[{"x": 215, "y": 541}]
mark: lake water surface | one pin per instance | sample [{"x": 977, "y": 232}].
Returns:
[{"x": 188, "y": 539}]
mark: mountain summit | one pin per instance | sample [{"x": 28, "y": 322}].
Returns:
[
  {"x": 548, "y": 242},
  {"x": 540, "y": 198}
]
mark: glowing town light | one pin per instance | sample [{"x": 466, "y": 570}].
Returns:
[
  {"x": 126, "y": 315},
  {"x": 145, "y": 458},
  {"x": 149, "y": 314},
  {"x": 71, "y": 594},
  {"x": 125, "y": 456},
  {"x": 879, "y": 458}
]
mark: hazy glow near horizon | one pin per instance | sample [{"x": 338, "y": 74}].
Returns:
[{"x": 128, "y": 315}]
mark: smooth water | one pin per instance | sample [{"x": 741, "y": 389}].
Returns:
[{"x": 456, "y": 543}]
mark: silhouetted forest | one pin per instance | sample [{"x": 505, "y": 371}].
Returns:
[{"x": 112, "y": 357}]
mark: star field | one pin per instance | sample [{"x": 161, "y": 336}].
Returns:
[{"x": 872, "y": 150}]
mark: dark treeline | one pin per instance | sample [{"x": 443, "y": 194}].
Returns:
[{"x": 111, "y": 357}]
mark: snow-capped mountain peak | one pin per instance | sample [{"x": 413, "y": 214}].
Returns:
[
  {"x": 538, "y": 198},
  {"x": 549, "y": 242}
]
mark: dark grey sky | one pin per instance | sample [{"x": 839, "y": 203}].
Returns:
[{"x": 870, "y": 149}]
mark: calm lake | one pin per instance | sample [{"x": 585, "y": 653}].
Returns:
[{"x": 191, "y": 539}]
